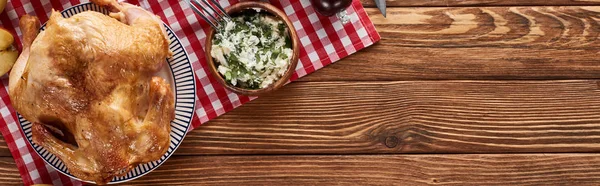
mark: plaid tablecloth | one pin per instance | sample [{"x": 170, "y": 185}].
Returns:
[{"x": 324, "y": 40}]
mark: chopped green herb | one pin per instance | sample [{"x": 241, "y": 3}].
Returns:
[{"x": 247, "y": 47}]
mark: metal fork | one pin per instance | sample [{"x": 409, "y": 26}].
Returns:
[{"x": 207, "y": 13}]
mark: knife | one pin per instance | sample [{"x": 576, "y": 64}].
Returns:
[{"x": 381, "y": 5}]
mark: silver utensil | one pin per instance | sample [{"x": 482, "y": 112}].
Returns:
[
  {"x": 207, "y": 13},
  {"x": 381, "y": 5}
]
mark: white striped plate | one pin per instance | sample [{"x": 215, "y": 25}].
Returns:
[{"x": 179, "y": 73}]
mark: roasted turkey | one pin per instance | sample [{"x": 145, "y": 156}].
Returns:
[{"x": 88, "y": 84}]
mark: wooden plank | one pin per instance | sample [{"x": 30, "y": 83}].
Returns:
[
  {"x": 9, "y": 174},
  {"x": 409, "y": 117},
  {"x": 534, "y": 169},
  {"x": 454, "y": 3},
  {"x": 485, "y": 169},
  {"x": 4, "y": 152},
  {"x": 476, "y": 43}
]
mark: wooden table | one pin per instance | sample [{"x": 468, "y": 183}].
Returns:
[{"x": 457, "y": 91}]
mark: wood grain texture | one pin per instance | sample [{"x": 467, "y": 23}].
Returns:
[
  {"x": 4, "y": 152},
  {"x": 409, "y": 117},
  {"x": 454, "y": 3},
  {"x": 9, "y": 174},
  {"x": 536, "y": 169},
  {"x": 476, "y": 43},
  {"x": 512, "y": 169}
]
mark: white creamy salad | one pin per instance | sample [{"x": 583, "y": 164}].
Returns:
[{"x": 252, "y": 50}]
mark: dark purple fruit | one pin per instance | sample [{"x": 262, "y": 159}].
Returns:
[{"x": 330, "y": 7}]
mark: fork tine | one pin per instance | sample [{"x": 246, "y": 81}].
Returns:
[
  {"x": 211, "y": 7},
  {"x": 195, "y": 9},
  {"x": 216, "y": 21},
  {"x": 220, "y": 8}
]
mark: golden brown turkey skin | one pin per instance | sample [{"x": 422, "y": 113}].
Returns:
[{"x": 88, "y": 85}]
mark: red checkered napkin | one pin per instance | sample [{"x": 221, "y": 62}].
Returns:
[{"x": 324, "y": 40}]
